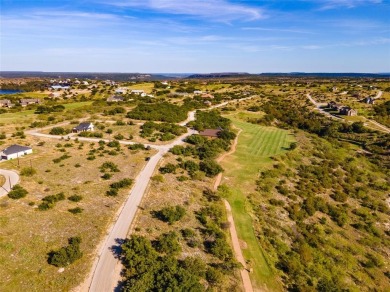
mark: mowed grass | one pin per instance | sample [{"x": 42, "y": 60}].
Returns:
[
  {"x": 27, "y": 116},
  {"x": 256, "y": 145}
]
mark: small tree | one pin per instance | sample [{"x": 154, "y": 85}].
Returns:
[
  {"x": 66, "y": 255},
  {"x": 17, "y": 192}
]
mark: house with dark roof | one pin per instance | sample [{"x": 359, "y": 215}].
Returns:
[
  {"x": 369, "y": 100},
  {"x": 15, "y": 151},
  {"x": 83, "y": 127},
  {"x": 346, "y": 110},
  {"x": 210, "y": 133}
]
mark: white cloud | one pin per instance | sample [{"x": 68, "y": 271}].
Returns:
[
  {"x": 278, "y": 30},
  {"x": 332, "y": 4},
  {"x": 213, "y": 10}
]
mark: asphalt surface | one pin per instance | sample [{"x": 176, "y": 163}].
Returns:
[{"x": 10, "y": 177}]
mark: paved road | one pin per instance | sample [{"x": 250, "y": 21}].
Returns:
[{"x": 10, "y": 176}]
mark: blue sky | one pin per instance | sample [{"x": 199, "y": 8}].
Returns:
[{"x": 195, "y": 35}]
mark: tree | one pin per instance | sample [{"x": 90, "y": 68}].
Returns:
[
  {"x": 17, "y": 192},
  {"x": 210, "y": 167},
  {"x": 66, "y": 255},
  {"x": 171, "y": 214},
  {"x": 168, "y": 243}
]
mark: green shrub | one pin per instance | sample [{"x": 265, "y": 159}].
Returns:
[
  {"x": 28, "y": 171},
  {"x": 170, "y": 214},
  {"x": 76, "y": 210},
  {"x": 66, "y": 255},
  {"x": 17, "y": 192},
  {"x": 75, "y": 198},
  {"x": 124, "y": 183}
]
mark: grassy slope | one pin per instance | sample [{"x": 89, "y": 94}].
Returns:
[
  {"x": 256, "y": 145},
  {"x": 27, "y": 115}
]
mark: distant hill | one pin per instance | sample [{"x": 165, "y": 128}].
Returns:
[
  {"x": 327, "y": 75},
  {"x": 219, "y": 75},
  {"x": 168, "y": 76},
  {"x": 85, "y": 75}
]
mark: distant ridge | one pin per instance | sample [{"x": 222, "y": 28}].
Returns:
[
  {"x": 84, "y": 75},
  {"x": 219, "y": 75},
  {"x": 169, "y": 76},
  {"x": 329, "y": 75}
]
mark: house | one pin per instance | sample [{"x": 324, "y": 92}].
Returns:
[
  {"x": 115, "y": 98},
  {"x": 346, "y": 110},
  {"x": 138, "y": 91},
  {"x": 5, "y": 103},
  {"x": 26, "y": 102},
  {"x": 83, "y": 127},
  {"x": 56, "y": 87},
  {"x": 198, "y": 91},
  {"x": 207, "y": 95},
  {"x": 334, "y": 106},
  {"x": 15, "y": 151},
  {"x": 121, "y": 90},
  {"x": 210, "y": 133},
  {"x": 369, "y": 100},
  {"x": 55, "y": 95}
]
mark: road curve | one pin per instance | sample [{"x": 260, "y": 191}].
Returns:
[{"x": 11, "y": 179}]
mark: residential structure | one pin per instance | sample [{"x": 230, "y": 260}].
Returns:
[
  {"x": 346, "y": 110},
  {"x": 26, "y": 102},
  {"x": 121, "y": 90},
  {"x": 83, "y": 127},
  {"x": 369, "y": 100},
  {"x": 207, "y": 96},
  {"x": 15, "y": 151},
  {"x": 5, "y": 103},
  {"x": 137, "y": 91},
  {"x": 210, "y": 133},
  {"x": 115, "y": 98}
]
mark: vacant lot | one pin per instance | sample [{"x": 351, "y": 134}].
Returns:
[
  {"x": 256, "y": 145},
  {"x": 27, "y": 116},
  {"x": 27, "y": 234}
]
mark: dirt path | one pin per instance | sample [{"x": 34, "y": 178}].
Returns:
[{"x": 246, "y": 281}]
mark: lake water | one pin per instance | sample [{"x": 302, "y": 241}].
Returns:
[{"x": 9, "y": 91}]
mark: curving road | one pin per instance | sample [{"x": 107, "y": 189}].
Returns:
[{"x": 11, "y": 179}]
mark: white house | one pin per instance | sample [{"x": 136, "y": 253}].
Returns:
[
  {"x": 137, "y": 91},
  {"x": 83, "y": 127},
  {"x": 198, "y": 91},
  {"x": 15, "y": 151},
  {"x": 121, "y": 90}
]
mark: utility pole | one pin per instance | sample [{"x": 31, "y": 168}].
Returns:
[{"x": 10, "y": 186}]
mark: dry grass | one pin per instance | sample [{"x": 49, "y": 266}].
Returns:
[
  {"x": 172, "y": 192},
  {"x": 2, "y": 180},
  {"x": 27, "y": 235}
]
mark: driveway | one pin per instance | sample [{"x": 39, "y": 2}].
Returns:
[{"x": 11, "y": 178}]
